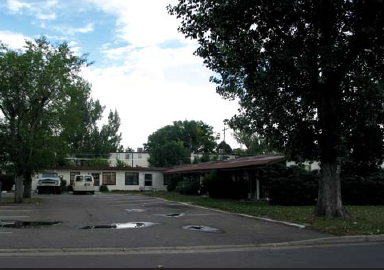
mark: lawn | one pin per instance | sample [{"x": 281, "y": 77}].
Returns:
[
  {"x": 10, "y": 201},
  {"x": 367, "y": 220}
]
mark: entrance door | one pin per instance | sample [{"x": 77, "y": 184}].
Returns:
[
  {"x": 96, "y": 178},
  {"x": 148, "y": 182}
]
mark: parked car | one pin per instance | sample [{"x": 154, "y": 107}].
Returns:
[
  {"x": 49, "y": 182},
  {"x": 83, "y": 183}
]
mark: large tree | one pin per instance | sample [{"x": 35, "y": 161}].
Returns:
[
  {"x": 36, "y": 86},
  {"x": 173, "y": 144},
  {"x": 309, "y": 75}
]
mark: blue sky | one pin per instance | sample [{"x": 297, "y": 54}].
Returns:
[{"x": 142, "y": 67}]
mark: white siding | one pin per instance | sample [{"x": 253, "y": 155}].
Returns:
[
  {"x": 308, "y": 166},
  {"x": 157, "y": 179},
  {"x": 135, "y": 159}
]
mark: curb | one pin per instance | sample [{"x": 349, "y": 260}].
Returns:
[
  {"x": 300, "y": 226},
  {"x": 320, "y": 242}
]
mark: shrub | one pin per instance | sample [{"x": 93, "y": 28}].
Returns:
[
  {"x": 292, "y": 186},
  {"x": 188, "y": 187},
  {"x": 104, "y": 188},
  {"x": 63, "y": 185},
  {"x": 357, "y": 190},
  {"x": 7, "y": 182},
  {"x": 223, "y": 185},
  {"x": 173, "y": 182}
]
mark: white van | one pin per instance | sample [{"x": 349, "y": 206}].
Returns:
[{"x": 83, "y": 183}]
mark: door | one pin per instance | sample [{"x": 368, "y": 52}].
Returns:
[{"x": 148, "y": 182}]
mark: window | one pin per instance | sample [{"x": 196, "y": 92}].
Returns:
[
  {"x": 88, "y": 179},
  {"x": 127, "y": 156},
  {"x": 166, "y": 179},
  {"x": 109, "y": 178},
  {"x": 72, "y": 177},
  {"x": 131, "y": 179},
  {"x": 148, "y": 180},
  {"x": 79, "y": 178},
  {"x": 96, "y": 177}
]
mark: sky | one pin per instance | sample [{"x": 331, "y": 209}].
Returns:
[{"x": 143, "y": 67}]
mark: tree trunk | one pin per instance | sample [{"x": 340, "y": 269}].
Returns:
[
  {"x": 27, "y": 185},
  {"x": 329, "y": 203},
  {"x": 19, "y": 189}
]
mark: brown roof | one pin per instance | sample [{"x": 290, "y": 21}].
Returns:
[
  {"x": 252, "y": 161},
  {"x": 95, "y": 168}
]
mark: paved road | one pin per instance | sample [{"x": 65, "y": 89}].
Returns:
[
  {"x": 81, "y": 210},
  {"x": 346, "y": 256}
]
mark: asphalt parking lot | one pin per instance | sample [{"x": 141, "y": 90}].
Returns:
[{"x": 75, "y": 211}]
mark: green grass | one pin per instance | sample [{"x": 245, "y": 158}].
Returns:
[
  {"x": 10, "y": 201},
  {"x": 363, "y": 220}
]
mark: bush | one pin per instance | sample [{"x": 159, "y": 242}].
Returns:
[
  {"x": 292, "y": 186},
  {"x": 7, "y": 182},
  {"x": 188, "y": 187},
  {"x": 104, "y": 188},
  {"x": 223, "y": 185},
  {"x": 63, "y": 185},
  {"x": 357, "y": 190},
  {"x": 173, "y": 181}
]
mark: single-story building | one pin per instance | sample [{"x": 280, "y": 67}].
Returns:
[
  {"x": 240, "y": 169},
  {"x": 138, "y": 178}
]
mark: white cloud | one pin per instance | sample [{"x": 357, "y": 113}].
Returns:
[
  {"x": 142, "y": 23},
  {"x": 48, "y": 17},
  {"x": 41, "y": 10},
  {"x": 154, "y": 85},
  {"x": 73, "y": 30},
  {"x": 147, "y": 104},
  {"x": 13, "y": 40},
  {"x": 16, "y": 6}
]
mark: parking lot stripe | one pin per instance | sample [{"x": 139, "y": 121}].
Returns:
[
  {"x": 8, "y": 210},
  {"x": 2, "y": 217}
]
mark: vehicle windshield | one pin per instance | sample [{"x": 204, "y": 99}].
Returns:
[{"x": 49, "y": 175}]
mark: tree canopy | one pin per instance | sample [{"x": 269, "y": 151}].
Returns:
[
  {"x": 46, "y": 111},
  {"x": 308, "y": 74},
  {"x": 173, "y": 144}
]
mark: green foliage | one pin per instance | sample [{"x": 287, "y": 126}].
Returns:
[
  {"x": 98, "y": 162},
  {"x": 37, "y": 86},
  {"x": 168, "y": 154},
  {"x": 225, "y": 185},
  {"x": 63, "y": 185},
  {"x": 357, "y": 190},
  {"x": 311, "y": 83},
  {"x": 121, "y": 164},
  {"x": 173, "y": 144},
  {"x": 308, "y": 75},
  {"x": 292, "y": 186},
  {"x": 104, "y": 188},
  {"x": 7, "y": 182},
  {"x": 224, "y": 148},
  {"x": 255, "y": 144},
  {"x": 173, "y": 181},
  {"x": 188, "y": 187}
]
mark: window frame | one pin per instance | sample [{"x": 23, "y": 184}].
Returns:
[
  {"x": 134, "y": 183},
  {"x": 105, "y": 181}
]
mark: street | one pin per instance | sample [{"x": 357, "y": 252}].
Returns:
[{"x": 110, "y": 230}]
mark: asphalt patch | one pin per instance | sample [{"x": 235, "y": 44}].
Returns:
[
  {"x": 27, "y": 224},
  {"x": 202, "y": 228}
]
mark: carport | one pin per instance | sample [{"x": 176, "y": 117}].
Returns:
[{"x": 244, "y": 168}]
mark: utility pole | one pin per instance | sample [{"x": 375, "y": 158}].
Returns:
[{"x": 225, "y": 123}]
